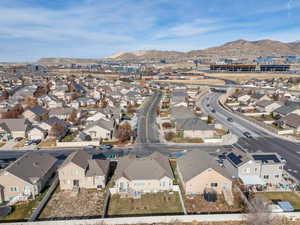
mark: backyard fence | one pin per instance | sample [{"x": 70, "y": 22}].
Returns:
[{"x": 44, "y": 201}]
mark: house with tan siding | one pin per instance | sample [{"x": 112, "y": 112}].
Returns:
[
  {"x": 151, "y": 174},
  {"x": 79, "y": 170},
  {"x": 26, "y": 177},
  {"x": 198, "y": 172}
]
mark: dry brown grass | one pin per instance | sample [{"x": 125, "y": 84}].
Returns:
[
  {"x": 202, "y": 81},
  {"x": 247, "y": 76}
]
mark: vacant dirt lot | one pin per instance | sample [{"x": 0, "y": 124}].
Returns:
[
  {"x": 65, "y": 204},
  {"x": 160, "y": 203},
  {"x": 247, "y": 76},
  {"x": 197, "y": 204},
  {"x": 202, "y": 81}
]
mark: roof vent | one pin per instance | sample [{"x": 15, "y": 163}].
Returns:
[{"x": 35, "y": 164}]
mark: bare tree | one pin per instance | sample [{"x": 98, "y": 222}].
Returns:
[
  {"x": 57, "y": 130},
  {"x": 124, "y": 132},
  {"x": 259, "y": 214}
]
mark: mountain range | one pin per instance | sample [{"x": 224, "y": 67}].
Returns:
[{"x": 238, "y": 49}]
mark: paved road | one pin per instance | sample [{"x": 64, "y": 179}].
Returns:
[
  {"x": 261, "y": 140},
  {"x": 147, "y": 132}
]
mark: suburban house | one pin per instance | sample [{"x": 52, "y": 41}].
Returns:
[
  {"x": 36, "y": 133},
  {"x": 62, "y": 113},
  {"x": 79, "y": 170},
  {"x": 244, "y": 98},
  {"x": 255, "y": 169},
  {"x": 101, "y": 129},
  {"x": 27, "y": 176},
  {"x": 135, "y": 176},
  {"x": 291, "y": 121},
  {"x": 267, "y": 106},
  {"x": 194, "y": 128},
  {"x": 36, "y": 113},
  {"x": 260, "y": 97},
  {"x": 200, "y": 172},
  {"x": 13, "y": 128},
  {"x": 284, "y": 111}
]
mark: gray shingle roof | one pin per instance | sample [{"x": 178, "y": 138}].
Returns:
[
  {"x": 79, "y": 158},
  {"x": 195, "y": 162},
  {"x": 97, "y": 167},
  {"x": 264, "y": 103},
  {"x": 153, "y": 167},
  {"x": 181, "y": 112},
  {"x": 15, "y": 124},
  {"x": 192, "y": 124},
  {"x": 32, "y": 166},
  {"x": 292, "y": 120},
  {"x": 38, "y": 110},
  {"x": 284, "y": 110}
]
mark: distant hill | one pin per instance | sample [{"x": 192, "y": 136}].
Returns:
[
  {"x": 65, "y": 60},
  {"x": 239, "y": 48}
]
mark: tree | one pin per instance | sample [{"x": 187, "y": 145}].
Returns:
[
  {"x": 14, "y": 113},
  {"x": 73, "y": 117},
  {"x": 4, "y": 96},
  {"x": 31, "y": 102},
  {"x": 258, "y": 214},
  {"x": 169, "y": 136},
  {"x": 57, "y": 130},
  {"x": 210, "y": 119},
  {"x": 124, "y": 132}
]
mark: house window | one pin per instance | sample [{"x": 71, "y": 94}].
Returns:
[
  {"x": 214, "y": 184},
  {"x": 247, "y": 170},
  {"x": 266, "y": 176},
  {"x": 14, "y": 189}
]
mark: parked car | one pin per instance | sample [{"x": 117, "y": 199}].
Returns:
[
  {"x": 213, "y": 110},
  {"x": 106, "y": 147},
  {"x": 247, "y": 134},
  {"x": 18, "y": 139}
]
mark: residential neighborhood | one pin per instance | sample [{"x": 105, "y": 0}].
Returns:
[{"x": 149, "y": 112}]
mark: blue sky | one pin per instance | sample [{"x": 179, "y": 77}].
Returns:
[{"x": 31, "y": 29}]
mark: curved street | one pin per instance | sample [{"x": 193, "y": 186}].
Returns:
[{"x": 261, "y": 141}]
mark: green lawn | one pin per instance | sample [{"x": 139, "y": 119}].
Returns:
[
  {"x": 148, "y": 204},
  {"x": 24, "y": 210},
  {"x": 70, "y": 137},
  {"x": 292, "y": 197}
]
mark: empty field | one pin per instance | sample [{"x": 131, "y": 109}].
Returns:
[
  {"x": 202, "y": 81},
  {"x": 148, "y": 204},
  {"x": 247, "y": 76},
  {"x": 66, "y": 204}
]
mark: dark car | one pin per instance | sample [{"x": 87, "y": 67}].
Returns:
[
  {"x": 207, "y": 105},
  {"x": 229, "y": 119},
  {"x": 213, "y": 110},
  {"x": 247, "y": 134},
  {"x": 18, "y": 139}
]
